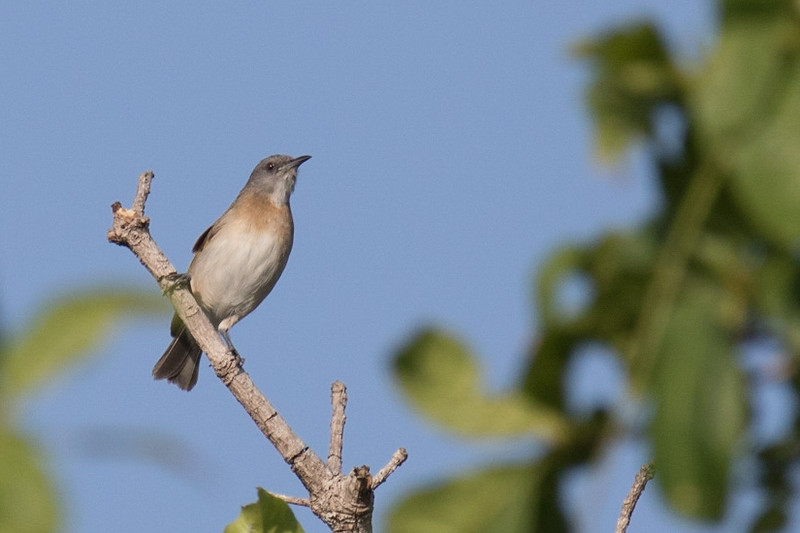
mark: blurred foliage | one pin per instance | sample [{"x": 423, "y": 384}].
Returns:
[
  {"x": 677, "y": 300},
  {"x": 441, "y": 377},
  {"x": 268, "y": 515},
  {"x": 64, "y": 333},
  {"x": 506, "y": 498}
]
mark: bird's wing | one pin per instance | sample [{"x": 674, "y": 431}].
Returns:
[{"x": 205, "y": 237}]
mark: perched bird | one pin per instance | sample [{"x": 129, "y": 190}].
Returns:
[{"x": 237, "y": 262}]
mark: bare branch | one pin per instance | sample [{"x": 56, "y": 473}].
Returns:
[
  {"x": 142, "y": 192},
  {"x": 344, "y": 503},
  {"x": 645, "y": 474},
  {"x": 339, "y": 403},
  {"x": 291, "y": 500},
  {"x": 397, "y": 459}
]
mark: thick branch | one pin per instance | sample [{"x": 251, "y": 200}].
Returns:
[
  {"x": 338, "y": 500},
  {"x": 130, "y": 229}
]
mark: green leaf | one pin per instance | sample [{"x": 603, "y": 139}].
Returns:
[
  {"x": 544, "y": 379},
  {"x": 67, "y": 331},
  {"x": 749, "y": 11},
  {"x": 633, "y": 76},
  {"x": 729, "y": 93},
  {"x": 27, "y": 500},
  {"x": 511, "y": 499},
  {"x": 747, "y": 107},
  {"x": 767, "y": 177},
  {"x": 566, "y": 261},
  {"x": 618, "y": 270},
  {"x": 775, "y": 469},
  {"x": 268, "y": 515},
  {"x": 777, "y": 295},
  {"x": 771, "y": 520},
  {"x": 701, "y": 412},
  {"x": 442, "y": 379}
]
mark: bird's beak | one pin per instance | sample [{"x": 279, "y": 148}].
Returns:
[{"x": 297, "y": 161}]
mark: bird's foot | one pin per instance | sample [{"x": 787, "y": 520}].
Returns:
[
  {"x": 175, "y": 281},
  {"x": 235, "y": 355}
]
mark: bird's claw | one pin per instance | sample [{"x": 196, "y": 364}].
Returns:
[
  {"x": 239, "y": 359},
  {"x": 175, "y": 281}
]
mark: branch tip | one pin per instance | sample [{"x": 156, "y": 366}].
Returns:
[
  {"x": 338, "y": 418},
  {"x": 398, "y": 458},
  {"x": 142, "y": 191},
  {"x": 645, "y": 474},
  {"x": 291, "y": 499}
]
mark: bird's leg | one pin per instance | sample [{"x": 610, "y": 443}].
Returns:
[{"x": 227, "y": 339}]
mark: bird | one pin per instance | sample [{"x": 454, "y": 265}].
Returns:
[{"x": 236, "y": 262}]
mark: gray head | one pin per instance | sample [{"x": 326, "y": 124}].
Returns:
[{"x": 275, "y": 176}]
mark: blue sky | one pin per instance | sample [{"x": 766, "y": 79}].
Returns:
[{"x": 451, "y": 153}]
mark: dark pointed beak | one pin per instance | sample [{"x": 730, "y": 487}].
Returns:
[{"x": 297, "y": 161}]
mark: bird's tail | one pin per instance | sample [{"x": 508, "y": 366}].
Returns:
[{"x": 180, "y": 363}]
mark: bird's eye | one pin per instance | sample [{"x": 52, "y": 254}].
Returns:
[{"x": 270, "y": 166}]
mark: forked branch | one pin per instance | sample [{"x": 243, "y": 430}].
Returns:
[{"x": 343, "y": 502}]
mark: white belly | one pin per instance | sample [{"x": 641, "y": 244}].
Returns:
[{"x": 231, "y": 276}]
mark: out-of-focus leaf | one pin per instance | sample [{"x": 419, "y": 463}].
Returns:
[
  {"x": 618, "y": 268},
  {"x": 754, "y": 9},
  {"x": 442, "y": 379},
  {"x": 559, "y": 266},
  {"x": 27, "y": 501},
  {"x": 767, "y": 174},
  {"x": 774, "y": 519},
  {"x": 268, "y": 515},
  {"x": 777, "y": 295},
  {"x": 67, "y": 331},
  {"x": 544, "y": 379},
  {"x": 728, "y": 95},
  {"x": 777, "y": 285},
  {"x": 701, "y": 413},
  {"x": 776, "y": 479},
  {"x": 732, "y": 123},
  {"x": 550, "y": 354},
  {"x": 747, "y": 105},
  {"x": 633, "y": 77},
  {"x": 511, "y": 499}
]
